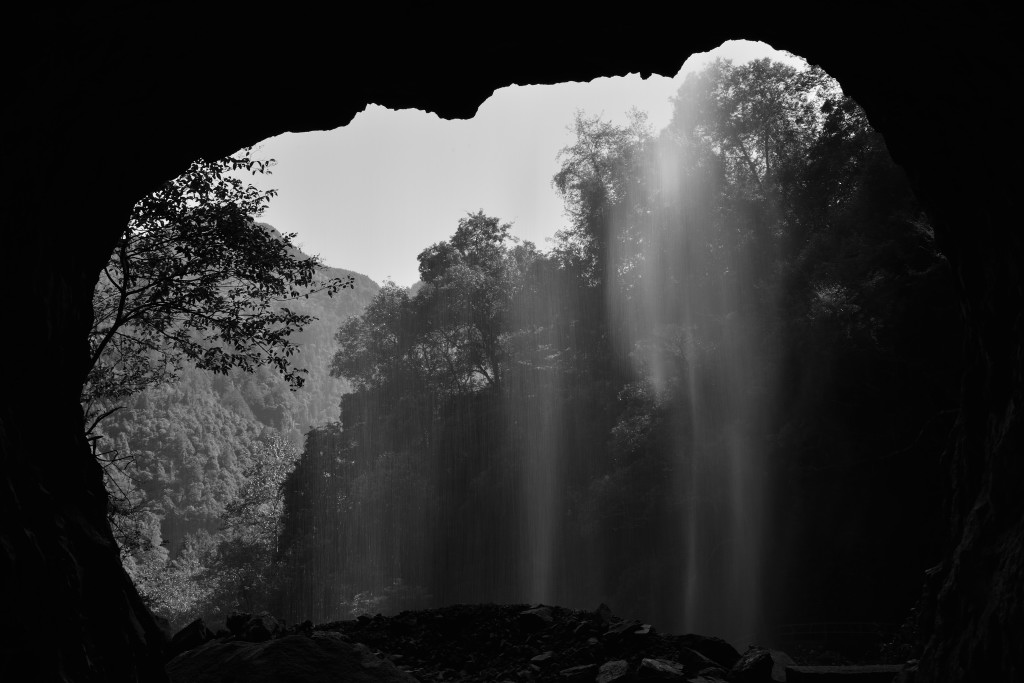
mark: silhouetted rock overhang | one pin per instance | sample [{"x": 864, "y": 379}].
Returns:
[{"x": 104, "y": 104}]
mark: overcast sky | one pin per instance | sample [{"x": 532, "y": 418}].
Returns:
[{"x": 371, "y": 195}]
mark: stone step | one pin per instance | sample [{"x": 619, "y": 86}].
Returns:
[{"x": 872, "y": 673}]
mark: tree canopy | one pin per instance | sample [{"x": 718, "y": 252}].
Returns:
[
  {"x": 451, "y": 335},
  {"x": 194, "y": 277}
]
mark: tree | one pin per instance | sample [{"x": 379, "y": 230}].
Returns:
[
  {"x": 240, "y": 569},
  {"x": 195, "y": 278},
  {"x": 758, "y": 118},
  {"x": 469, "y": 282},
  {"x": 450, "y": 337},
  {"x": 594, "y": 177},
  {"x": 255, "y": 515},
  {"x": 372, "y": 345}
]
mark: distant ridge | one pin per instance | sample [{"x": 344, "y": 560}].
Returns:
[
  {"x": 192, "y": 438},
  {"x": 362, "y": 280}
]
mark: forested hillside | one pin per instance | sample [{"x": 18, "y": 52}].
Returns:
[{"x": 181, "y": 453}]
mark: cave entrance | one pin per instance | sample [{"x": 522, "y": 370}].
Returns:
[{"x": 689, "y": 362}]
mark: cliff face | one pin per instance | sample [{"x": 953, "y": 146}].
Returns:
[{"x": 102, "y": 108}]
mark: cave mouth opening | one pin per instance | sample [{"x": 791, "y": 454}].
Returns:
[{"x": 710, "y": 405}]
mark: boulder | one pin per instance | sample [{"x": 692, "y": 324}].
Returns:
[
  {"x": 604, "y": 613},
  {"x": 660, "y": 670},
  {"x": 536, "y": 618},
  {"x": 288, "y": 659},
  {"x": 582, "y": 629},
  {"x": 615, "y": 670},
  {"x": 236, "y": 621},
  {"x": 780, "y": 660},
  {"x": 261, "y": 627},
  {"x": 695, "y": 661},
  {"x": 584, "y": 672},
  {"x": 711, "y": 647},
  {"x": 624, "y": 629},
  {"x": 188, "y": 638},
  {"x": 755, "y": 666},
  {"x": 760, "y": 664}
]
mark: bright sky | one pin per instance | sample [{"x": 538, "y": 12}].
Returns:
[{"x": 370, "y": 196}]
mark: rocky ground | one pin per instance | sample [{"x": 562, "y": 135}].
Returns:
[{"x": 494, "y": 643}]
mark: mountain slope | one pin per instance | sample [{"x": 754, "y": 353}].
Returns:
[{"x": 182, "y": 448}]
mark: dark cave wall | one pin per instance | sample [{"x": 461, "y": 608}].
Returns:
[{"x": 104, "y": 106}]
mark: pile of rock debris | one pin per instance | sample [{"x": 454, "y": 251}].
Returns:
[{"x": 494, "y": 643}]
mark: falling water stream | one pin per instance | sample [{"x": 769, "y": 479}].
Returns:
[
  {"x": 719, "y": 479},
  {"x": 486, "y": 512},
  {"x": 482, "y": 506}
]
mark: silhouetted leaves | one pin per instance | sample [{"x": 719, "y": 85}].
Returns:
[{"x": 195, "y": 278}]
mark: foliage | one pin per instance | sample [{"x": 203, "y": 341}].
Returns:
[
  {"x": 197, "y": 288},
  {"x": 758, "y": 119},
  {"x": 469, "y": 283},
  {"x": 373, "y": 344},
  {"x": 194, "y": 277},
  {"x": 596, "y": 174},
  {"x": 762, "y": 250},
  {"x": 451, "y": 336},
  {"x": 240, "y": 572},
  {"x": 255, "y": 514},
  {"x": 231, "y": 568},
  {"x": 174, "y": 589},
  {"x": 392, "y": 599}
]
